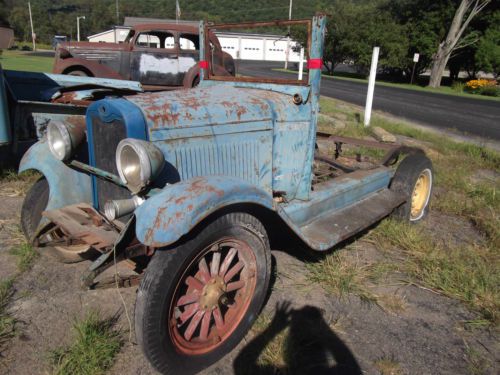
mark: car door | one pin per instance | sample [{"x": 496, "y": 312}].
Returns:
[
  {"x": 154, "y": 58},
  {"x": 189, "y": 52}
]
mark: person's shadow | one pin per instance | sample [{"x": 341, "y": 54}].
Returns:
[{"x": 310, "y": 347}]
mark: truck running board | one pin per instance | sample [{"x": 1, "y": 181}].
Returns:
[{"x": 334, "y": 226}]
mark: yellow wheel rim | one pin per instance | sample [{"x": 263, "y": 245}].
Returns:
[{"x": 421, "y": 194}]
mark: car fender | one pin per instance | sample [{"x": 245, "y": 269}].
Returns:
[
  {"x": 168, "y": 215},
  {"x": 67, "y": 186},
  {"x": 96, "y": 69}
]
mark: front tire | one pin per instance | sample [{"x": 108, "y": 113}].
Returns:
[
  {"x": 414, "y": 178},
  {"x": 198, "y": 300},
  {"x": 34, "y": 204}
]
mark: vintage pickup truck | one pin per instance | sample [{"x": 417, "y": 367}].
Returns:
[
  {"x": 160, "y": 56},
  {"x": 188, "y": 187}
]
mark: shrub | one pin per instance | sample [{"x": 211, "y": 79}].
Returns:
[{"x": 487, "y": 87}]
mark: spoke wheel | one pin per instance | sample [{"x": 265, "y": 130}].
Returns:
[
  {"x": 213, "y": 296},
  {"x": 200, "y": 297}
]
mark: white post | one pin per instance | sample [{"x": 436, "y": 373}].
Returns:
[
  {"x": 371, "y": 86},
  {"x": 33, "y": 37},
  {"x": 301, "y": 63},
  {"x": 287, "y": 52},
  {"x": 78, "y": 27}
]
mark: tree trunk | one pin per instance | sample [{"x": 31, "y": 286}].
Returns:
[
  {"x": 457, "y": 28},
  {"x": 439, "y": 62}
]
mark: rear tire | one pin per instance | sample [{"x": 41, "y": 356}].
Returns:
[
  {"x": 220, "y": 316},
  {"x": 414, "y": 178}
]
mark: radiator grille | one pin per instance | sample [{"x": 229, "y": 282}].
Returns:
[
  {"x": 106, "y": 137},
  {"x": 238, "y": 159}
]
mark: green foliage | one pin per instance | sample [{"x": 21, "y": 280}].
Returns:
[
  {"x": 488, "y": 50},
  {"x": 93, "y": 349}
]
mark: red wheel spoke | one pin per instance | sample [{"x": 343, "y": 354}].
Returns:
[
  {"x": 194, "y": 283},
  {"x": 235, "y": 286},
  {"x": 188, "y": 313},
  {"x": 204, "y": 272},
  {"x": 233, "y": 271},
  {"x": 214, "y": 267},
  {"x": 219, "y": 320},
  {"x": 205, "y": 325},
  {"x": 227, "y": 261},
  {"x": 188, "y": 298},
  {"x": 193, "y": 324}
]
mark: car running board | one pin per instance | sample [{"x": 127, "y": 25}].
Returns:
[{"x": 334, "y": 226}]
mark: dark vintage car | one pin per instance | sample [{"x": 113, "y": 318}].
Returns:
[{"x": 160, "y": 56}]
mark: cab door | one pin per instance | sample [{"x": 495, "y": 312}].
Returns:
[
  {"x": 189, "y": 52},
  {"x": 154, "y": 58}
]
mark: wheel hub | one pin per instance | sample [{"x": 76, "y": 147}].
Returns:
[
  {"x": 212, "y": 293},
  {"x": 420, "y": 194}
]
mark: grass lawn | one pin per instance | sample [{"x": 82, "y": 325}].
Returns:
[
  {"x": 441, "y": 90},
  {"x": 16, "y": 60}
]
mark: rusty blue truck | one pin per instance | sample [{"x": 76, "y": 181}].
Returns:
[{"x": 188, "y": 185}]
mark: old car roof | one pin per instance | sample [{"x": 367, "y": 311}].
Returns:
[{"x": 165, "y": 26}]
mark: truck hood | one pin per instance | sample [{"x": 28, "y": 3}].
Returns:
[{"x": 217, "y": 105}]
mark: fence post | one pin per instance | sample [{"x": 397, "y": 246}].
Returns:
[{"x": 371, "y": 86}]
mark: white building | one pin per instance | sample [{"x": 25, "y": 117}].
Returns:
[{"x": 244, "y": 46}]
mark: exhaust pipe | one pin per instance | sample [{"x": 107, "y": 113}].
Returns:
[{"x": 121, "y": 207}]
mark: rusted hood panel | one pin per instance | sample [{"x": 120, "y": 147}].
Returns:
[{"x": 216, "y": 105}]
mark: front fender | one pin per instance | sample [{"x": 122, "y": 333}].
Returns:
[
  {"x": 67, "y": 186},
  {"x": 178, "y": 208}
]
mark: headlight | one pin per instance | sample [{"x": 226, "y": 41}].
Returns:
[
  {"x": 138, "y": 163},
  {"x": 64, "y": 138}
]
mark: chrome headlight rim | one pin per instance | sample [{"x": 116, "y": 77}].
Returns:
[
  {"x": 63, "y": 133},
  {"x": 144, "y": 170}
]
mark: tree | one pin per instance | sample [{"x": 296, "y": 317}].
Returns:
[
  {"x": 488, "y": 50},
  {"x": 355, "y": 28},
  {"x": 466, "y": 11}
]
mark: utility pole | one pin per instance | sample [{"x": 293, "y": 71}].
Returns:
[
  {"x": 33, "y": 36},
  {"x": 287, "y": 52},
  {"x": 117, "y": 13},
  {"x": 78, "y": 26}
]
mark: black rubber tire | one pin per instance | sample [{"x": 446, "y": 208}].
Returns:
[
  {"x": 34, "y": 204},
  {"x": 196, "y": 81},
  {"x": 404, "y": 181},
  {"x": 158, "y": 286}
]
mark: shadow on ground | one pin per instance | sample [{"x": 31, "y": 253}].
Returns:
[{"x": 311, "y": 347}]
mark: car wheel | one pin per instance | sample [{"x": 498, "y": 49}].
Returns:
[
  {"x": 414, "y": 178},
  {"x": 198, "y": 300},
  {"x": 34, "y": 204}
]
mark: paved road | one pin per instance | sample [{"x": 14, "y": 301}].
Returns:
[{"x": 471, "y": 116}]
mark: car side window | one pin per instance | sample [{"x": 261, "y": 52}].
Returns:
[
  {"x": 155, "y": 39},
  {"x": 189, "y": 42}
]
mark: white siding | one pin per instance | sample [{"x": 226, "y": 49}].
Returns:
[{"x": 252, "y": 49}]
